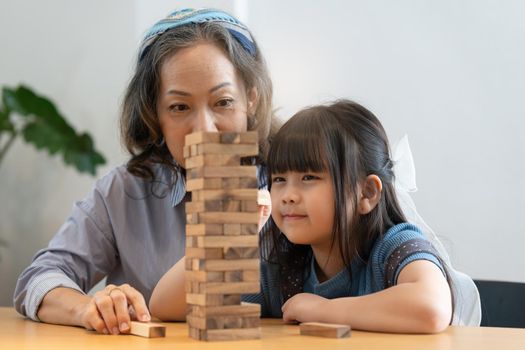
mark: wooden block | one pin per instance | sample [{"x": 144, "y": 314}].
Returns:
[
  {"x": 326, "y": 330},
  {"x": 229, "y": 287},
  {"x": 241, "y": 253},
  {"x": 251, "y": 275},
  {"x": 205, "y": 253},
  {"x": 249, "y": 206},
  {"x": 202, "y": 137},
  {"x": 204, "y": 230},
  {"x": 249, "y": 229},
  {"x": 243, "y": 150},
  {"x": 223, "y": 322},
  {"x": 248, "y": 182},
  {"x": 233, "y": 276},
  {"x": 226, "y": 241},
  {"x": 205, "y": 276},
  {"x": 213, "y": 299},
  {"x": 222, "y": 264},
  {"x": 249, "y": 194},
  {"x": 232, "y": 334},
  {"x": 244, "y": 137},
  {"x": 205, "y": 184},
  {"x": 222, "y": 217},
  {"x": 222, "y": 172},
  {"x": 147, "y": 330},
  {"x": 244, "y": 309},
  {"x": 232, "y": 229},
  {"x": 212, "y": 160}
]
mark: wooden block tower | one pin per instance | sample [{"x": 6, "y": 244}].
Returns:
[{"x": 222, "y": 254}]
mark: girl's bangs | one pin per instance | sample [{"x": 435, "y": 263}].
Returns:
[{"x": 303, "y": 149}]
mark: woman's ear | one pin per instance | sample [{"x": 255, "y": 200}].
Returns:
[
  {"x": 252, "y": 99},
  {"x": 370, "y": 194}
]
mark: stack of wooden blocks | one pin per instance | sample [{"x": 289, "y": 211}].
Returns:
[{"x": 222, "y": 255}]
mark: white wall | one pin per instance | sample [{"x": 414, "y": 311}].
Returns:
[{"x": 449, "y": 73}]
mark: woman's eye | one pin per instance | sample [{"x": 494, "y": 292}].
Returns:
[
  {"x": 225, "y": 102},
  {"x": 179, "y": 107}
]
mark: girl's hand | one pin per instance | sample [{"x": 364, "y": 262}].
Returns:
[
  {"x": 111, "y": 309},
  {"x": 304, "y": 307},
  {"x": 265, "y": 207}
]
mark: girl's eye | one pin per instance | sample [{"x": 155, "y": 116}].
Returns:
[
  {"x": 309, "y": 177},
  {"x": 278, "y": 179},
  {"x": 179, "y": 107},
  {"x": 225, "y": 102}
]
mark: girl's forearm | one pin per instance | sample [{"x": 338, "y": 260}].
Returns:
[
  {"x": 168, "y": 300},
  {"x": 419, "y": 303}
]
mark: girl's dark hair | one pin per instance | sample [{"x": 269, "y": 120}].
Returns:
[
  {"x": 139, "y": 125},
  {"x": 349, "y": 142}
]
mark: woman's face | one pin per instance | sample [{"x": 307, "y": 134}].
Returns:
[{"x": 200, "y": 91}]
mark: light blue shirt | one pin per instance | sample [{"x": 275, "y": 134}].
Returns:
[{"x": 128, "y": 229}]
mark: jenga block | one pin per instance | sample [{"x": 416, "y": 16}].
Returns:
[
  {"x": 205, "y": 276},
  {"x": 205, "y": 253},
  {"x": 222, "y": 264},
  {"x": 199, "y": 207},
  {"x": 147, "y": 330},
  {"x": 241, "y": 253},
  {"x": 233, "y": 276},
  {"x": 245, "y": 137},
  {"x": 204, "y": 230},
  {"x": 205, "y": 184},
  {"x": 249, "y": 206},
  {"x": 222, "y": 171},
  {"x": 213, "y": 299},
  {"x": 243, "y": 150},
  {"x": 248, "y": 182},
  {"x": 229, "y": 287},
  {"x": 249, "y": 229},
  {"x": 223, "y": 322},
  {"x": 232, "y": 334},
  {"x": 202, "y": 137},
  {"x": 212, "y": 160},
  {"x": 251, "y": 276},
  {"x": 227, "y": 241},
  {"x": 326, "y": 330},
  {"x": 244, "y": 309},
  {"x": 210, "y": 217},
  {"x": 249, "y": 194},
  {"x": 232, "y": 229}
]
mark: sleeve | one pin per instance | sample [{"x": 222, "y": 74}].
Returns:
[
  {"x": 81, "y": 253},
  {"x": 411, "y": 250}
]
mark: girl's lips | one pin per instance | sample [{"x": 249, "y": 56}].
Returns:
[{"x": 293, "y": 216}]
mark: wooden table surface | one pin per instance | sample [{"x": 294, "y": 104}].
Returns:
[{"x": 19, "y": 333}]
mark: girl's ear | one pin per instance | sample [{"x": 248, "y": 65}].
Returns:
[{"x": 370, "y": 194}]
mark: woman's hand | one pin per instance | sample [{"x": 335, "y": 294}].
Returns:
[
  {"x": 265, "y": 207},
  {"x": 303, "y": 307},
  {"x": 111, "y": 309}
]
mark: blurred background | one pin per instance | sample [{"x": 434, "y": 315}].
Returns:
[{"x": 450, "y": 74}]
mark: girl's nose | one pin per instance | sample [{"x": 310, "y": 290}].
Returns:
[
  {"x": 204, "y": 121},
  {"x": 290, "y": 196}
]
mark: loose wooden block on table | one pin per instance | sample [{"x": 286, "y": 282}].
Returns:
[
  {"x": 327, "y": 330},
  {"x": 148, "y": 330}
]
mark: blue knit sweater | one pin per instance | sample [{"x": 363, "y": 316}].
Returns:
[{"x": 365, "y": 278}]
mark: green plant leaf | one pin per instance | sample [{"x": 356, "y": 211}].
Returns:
[{"x": 47, "y": 129}]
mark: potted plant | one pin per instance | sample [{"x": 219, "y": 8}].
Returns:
[{"x": 36, "y": 119}]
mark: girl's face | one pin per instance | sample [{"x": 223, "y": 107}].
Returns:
[
  {"x": 200, "y": 91},
  {"x": 303, "y": 206}
]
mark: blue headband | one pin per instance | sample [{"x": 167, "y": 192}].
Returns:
[{"x": 186, "y": 16}]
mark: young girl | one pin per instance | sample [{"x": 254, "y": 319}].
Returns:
[{"x": 337, "y": 248}]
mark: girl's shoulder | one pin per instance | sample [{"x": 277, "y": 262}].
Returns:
[{"x": 394, "y": 238}]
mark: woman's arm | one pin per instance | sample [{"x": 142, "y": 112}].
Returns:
[
  {"x": 420, "y": 303},
  {"x": 168, "y": 300},
  {"x": 106, "y": 312}
]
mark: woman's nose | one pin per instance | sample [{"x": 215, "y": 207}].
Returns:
[{"x": 204, "y": 121}]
